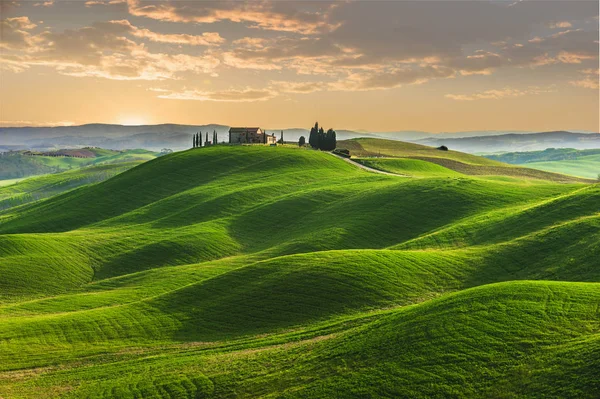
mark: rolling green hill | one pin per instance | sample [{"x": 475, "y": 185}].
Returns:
[
  {"x": 251, "y": 271},
  {"x": 370, "y": 153}
]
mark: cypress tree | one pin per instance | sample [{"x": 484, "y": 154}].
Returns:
[
  {"x": 330, "y": 140},
  {"x": 313, "y": 139},
  {"x": 206, "y": 139},
  {"x": 194, "y": 141},
  {"x": 320, "y": 138}
]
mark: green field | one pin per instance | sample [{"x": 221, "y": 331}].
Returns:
[
  {"x": 254, "y": 271},
  {"x": 22, "y": 191},
  {"x": 395, "y": 156},
  {"x": 586, "y": 166},
  {"x": 16, "y": 165},
  {"x": 582, "y": 163}
]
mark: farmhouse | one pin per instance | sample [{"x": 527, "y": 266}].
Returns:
[{"x": 250, "y": 135}]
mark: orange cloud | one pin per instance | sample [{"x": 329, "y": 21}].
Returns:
[
  {"x": 244, "y": 95},
  {"x": 15, "y": 33},
  {"x": 497, "y": 94},
  {"x": 279, "y": 16},
  {"x": 103, "y": 50},
  {"x": 590, "y": 80}
]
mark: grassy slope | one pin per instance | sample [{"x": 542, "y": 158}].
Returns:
[
  {"x": 409, "y": 167},
  {"x": 549, "y": 154},
  {"x": 582, "y": 163},
  {"x": 453, "y": 160},
  {"x": 39, "y": 187},
  {"x": 183, "y": 282},
  {"x": 16, "y": 165},
  {"x": 586, "y": 166}
]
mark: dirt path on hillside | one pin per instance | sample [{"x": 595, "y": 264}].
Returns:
[{"x": 367, "y": 168}]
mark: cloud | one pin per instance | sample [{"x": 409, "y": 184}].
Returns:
[
  {"x": 232, "y": 95},
  {"x": 382, "y": 45},
  {"x": 309, "y": 18},
  {"x": 392, "y": 78},
  {"x": 589, "y": 81},
  {"x": 498, "y": 94},
  {"x": 298, "y": 87},
  {"x": 34, "y": 124},
  {"x": 482, "y": 62},
  {"x": 91, "y": 3},
  {"x": 104, "y": 50},
  {"x": 567, "y": 47},
  {"x": 206, "y": 39},
  {"x": 48, "y": 3},
  {"x": 15, "y": 32},
  {"x": 563, "y": 24},
  {"x": 352, "y": 45}
]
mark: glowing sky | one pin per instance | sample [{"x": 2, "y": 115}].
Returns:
[{"x": 374, "y": 65}]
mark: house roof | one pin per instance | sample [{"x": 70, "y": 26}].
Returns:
[{"x": 244, "y": 129}]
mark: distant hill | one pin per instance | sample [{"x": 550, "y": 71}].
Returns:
[
  {"x": 116, "y": 137},
  {"x": 178, "y": 137},
  {"x": 518, "y": 142}
]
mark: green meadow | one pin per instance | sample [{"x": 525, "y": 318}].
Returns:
[
  {"x": 585, "y": 166},
  {"x": 18, "y": 165},
  {"x": 280, "y": 272},
  {"x": 582, "y": 163}
]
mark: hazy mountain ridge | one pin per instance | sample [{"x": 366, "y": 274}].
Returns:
[{"x": 177, "y": 137}]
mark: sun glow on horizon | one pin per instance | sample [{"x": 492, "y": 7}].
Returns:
[{"x": 133, "y": 120}]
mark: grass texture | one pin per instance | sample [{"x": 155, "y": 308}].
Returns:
[{"x": 254, "y": 271}]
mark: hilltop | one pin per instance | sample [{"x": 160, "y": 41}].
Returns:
[{"x": 253, "y": 271}]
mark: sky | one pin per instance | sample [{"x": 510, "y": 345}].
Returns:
[{"x": 435, "y": 66}]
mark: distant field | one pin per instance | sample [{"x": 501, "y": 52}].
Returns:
[
  {"x": 586, "y": 166},
  {"x": 22, "y": 191},
  {"x": 254, "y": 271},
  {"x": 8, "y": 182},
  {"x": 18, "y": 165},
  {"x": 582, "y": 163},
  {"x": 548, "y": 155},
  {"x": 376, "y": 147},
  {"x": 447, "y": 161}
]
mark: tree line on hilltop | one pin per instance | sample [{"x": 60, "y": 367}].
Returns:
[
  {"x": 197, "y": 139},
  {"x": 321, "y": 140}
]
